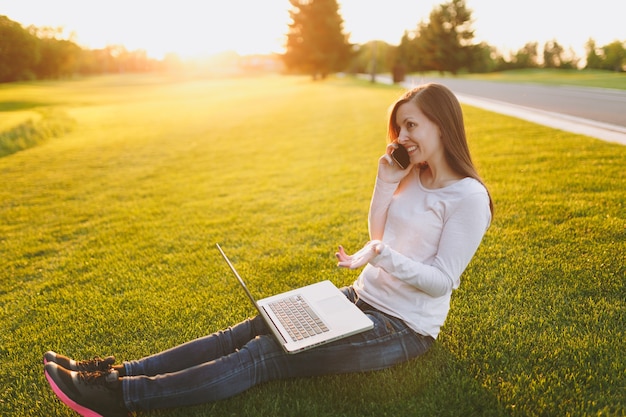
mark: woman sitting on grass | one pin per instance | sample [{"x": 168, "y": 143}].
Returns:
[{"x": 425, "y": 224}]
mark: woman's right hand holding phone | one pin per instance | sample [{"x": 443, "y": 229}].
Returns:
[{"x": 388, "y": 170}]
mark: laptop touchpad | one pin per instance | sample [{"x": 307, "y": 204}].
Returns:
[{"x": 331, "y": 304}]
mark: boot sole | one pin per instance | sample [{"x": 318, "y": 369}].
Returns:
[{"x": 83, "y": 411}]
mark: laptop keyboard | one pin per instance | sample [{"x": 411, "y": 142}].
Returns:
[{"x": 298, "y": 318}]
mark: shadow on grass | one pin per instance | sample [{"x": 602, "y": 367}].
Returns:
[
  {"x": 435, "y": 385},
  {"x": 20, "y": 105}
]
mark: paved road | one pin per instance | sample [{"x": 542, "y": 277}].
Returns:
[
  {"x": 602, "y": 105},
  {"x": 595, "y": 112}
]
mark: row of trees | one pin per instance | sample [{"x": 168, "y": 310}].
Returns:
[
  {"x": 38, "y": 53},
  {"x": 449, "y": 29},
  {"x": 445, "y": 43},
  {"x": 315, "y": 44}
]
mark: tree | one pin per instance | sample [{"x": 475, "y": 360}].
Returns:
[
  {"x": 527, "y": 56},
  {"x": 316, "y": 44},
  {"x": 552, "y": 54},
  {"x": 444, "y": 42},
  {"x": 405, "y": 53},
  {"x": 452, "y": 21},
  {"x": 57, "y": 58},
  {"x": 412, "y": 53},
  {"x": 18, "y": 51},
  {"x": 482, "y": 58},
  {"x": 614, "y": 56},
  {"x": 593, "y": 59},
  {"x": 609, "y": 57}
]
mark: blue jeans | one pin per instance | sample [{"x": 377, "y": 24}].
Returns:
[{"x": 228, "y": 362}]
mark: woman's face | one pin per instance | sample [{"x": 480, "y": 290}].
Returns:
[{"x": 420, "y": 136}]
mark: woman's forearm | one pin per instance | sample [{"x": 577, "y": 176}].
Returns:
[{"x": 379, "y": 205}]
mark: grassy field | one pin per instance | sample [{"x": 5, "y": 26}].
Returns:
[
  {"x": 107, "y": 239},
  {"x": 585, "y": 78}
]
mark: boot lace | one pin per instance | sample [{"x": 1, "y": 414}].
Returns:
[
  {"x": 104, "y": 379},
  {"x": 96, "y": 364}
]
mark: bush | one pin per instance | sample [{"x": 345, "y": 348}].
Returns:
[{"x": 30, "y": 133}]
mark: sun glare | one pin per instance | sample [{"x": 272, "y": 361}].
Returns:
[
  {"x": 192, "y": 28},
  {"x": 185, "y": 27},
  {"x": 207, "y": 29}
]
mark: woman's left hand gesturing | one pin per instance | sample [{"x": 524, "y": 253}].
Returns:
[{"x": 360, "y": 258}]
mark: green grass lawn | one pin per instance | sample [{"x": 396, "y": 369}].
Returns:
[
  {"x": 580, "y": 78},
  {"x": 107, "y": 237}
]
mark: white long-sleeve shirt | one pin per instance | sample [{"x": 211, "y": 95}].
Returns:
[{"x": 430, "y": 237}]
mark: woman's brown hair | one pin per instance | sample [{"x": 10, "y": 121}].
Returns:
[{"x": 441, "y": 107}]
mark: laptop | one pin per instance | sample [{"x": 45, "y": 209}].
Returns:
[{"x": 309, "y": 316}]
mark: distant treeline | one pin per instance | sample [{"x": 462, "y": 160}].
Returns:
[
  {"x": 444, "y": 44},
  {"x": 412, "y": 56},
  {"x": 36, "y": 53}
]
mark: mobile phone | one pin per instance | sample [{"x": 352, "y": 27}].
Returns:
[{"x": 401, "y": 156}]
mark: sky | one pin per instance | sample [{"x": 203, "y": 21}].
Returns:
[{"x": 204, "y": 27}]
